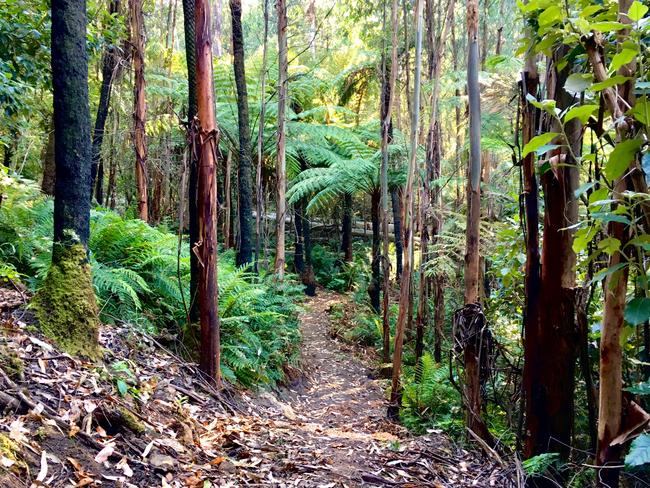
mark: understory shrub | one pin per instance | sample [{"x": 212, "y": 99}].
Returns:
[{"x": 141, "y": 279}]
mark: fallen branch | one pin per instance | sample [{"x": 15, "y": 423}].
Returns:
[{"x": 488, "y": 450}]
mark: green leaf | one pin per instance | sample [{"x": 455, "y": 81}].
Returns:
[
  {"x": 578, "y": 82},
  {"x": 609, "y": 82},
  {"x": 583, "y": 237},
  {"x": 122, "y": 387},
  {"x": 637, "y": 310},
  {"x": 582, "y": 112},
  {"x": 637, "y": 11},
  {"x": 622, "y": 58},
  {"x": 604, "y": 273},
  {"x": 585, "y": 187},
  {"x": 641, "y": 110},
  {"x": 609, "y": 245},
  {"x": 621, "y": 157},
  {"x": 642, "y": 241},
  {"x": 607, "y": 26},
  {"x": 550, "y": 16},
  {"x": 639, "y": 451},
  {"x": 537, "y": 142},
  {"x": 598, "y": 195},
  {"x": 642, "y": 388}
]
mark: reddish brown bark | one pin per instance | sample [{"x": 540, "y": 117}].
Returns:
[
  {"x": 611, "y": 382},
  {"x": 140, "y": 106},
  {"x": 206, "y": 248}
]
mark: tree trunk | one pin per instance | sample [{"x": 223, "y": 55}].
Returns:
[
  {"x": 281, "y": 170},
  {"x": 298, "y": 253},
  {"x": 193, "y": 143},
  {"x": 396, "y": 204},
  {"x": 472, "y": 353},
  {"x": 109, "y": 65},
  {"x": 308, "y": 277},
  {"x": 532, "y": 351},
  {"x": 611, "y": 382},
  {"x": 227, "y": 207},
  {"x": 49, "y": 165},
  {"x": 551, "y": 404},
  {"x": 346, "y": 228},
  {"x": 405, "y": 288},
  {"x": 245, "y": 248},
  {"x": 65, "y": 304},
  {"x": 259, "y": 190},
  {"x": 140, "y": 106},
  {"x": 207, "y": 197},
  {"x": 374, "y": 288},
  {"x": 387, "y": 96}
]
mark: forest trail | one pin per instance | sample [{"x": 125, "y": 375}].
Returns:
[
  {"x": 332, "y": 431},
  {"x": 64, "y": 420}
]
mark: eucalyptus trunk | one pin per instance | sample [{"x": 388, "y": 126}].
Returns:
[
  {"x": 472, "y": 351},
  {"x": 259, "y": 190},
  {"x": 405, "y": 298},
  {"x": 140, "y": 106},
  {"x": 387, "y": 96},
  {"x": 207, "y": 197},
  {"x": 281, "y": 169}
]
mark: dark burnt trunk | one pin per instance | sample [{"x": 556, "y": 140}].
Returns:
[
  {"x": 245, "y": 174},
  {"x": 298, "y": 250},
  {"x": 308, "y": 277},
  {"x": 374, "y": 288},
  {"x": 109, "y": 65},
  {"x": 190, "y": 55},
  {"x": 65, "y": 304}
]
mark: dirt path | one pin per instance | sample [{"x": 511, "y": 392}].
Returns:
[
  {"x": 328, "y": 431},
  {"x": 332, "y": 430}
]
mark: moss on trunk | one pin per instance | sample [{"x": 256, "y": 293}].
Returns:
[{"x": 65, "y": 305}]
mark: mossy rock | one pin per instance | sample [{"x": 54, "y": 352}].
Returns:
[
  {"x": 131, "y": 422},
  {"x": 11, "y": 363},
  {"x": 65, "y": 305},
  {"x": 11, "y": 450}
]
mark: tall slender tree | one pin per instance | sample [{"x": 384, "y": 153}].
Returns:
[
  {"x": 65, "y": 304},
  {"x": 207, "y": 196},
  {"x": 192, "y": 109},
  {"x": 617, "y": 99},
  {"x": 245, "y": 248},
  {"x": 259, "y": 190},
  {"x": 281, "y": 165},
  {"x": 136, "y": 20},
  {"x": 471, "y": 340},
  {"x": 110, "y": 59},
  {"x": 405, "y": 286},
  {"x": 387, "y": 97}
]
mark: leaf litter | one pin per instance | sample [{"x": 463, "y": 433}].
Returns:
[{"x": 143, "y": 417}]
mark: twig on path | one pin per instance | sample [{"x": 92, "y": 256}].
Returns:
[{"x": 488, "y": 450}]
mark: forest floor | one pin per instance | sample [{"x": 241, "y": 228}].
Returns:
[{"x": 144, "y": 418}]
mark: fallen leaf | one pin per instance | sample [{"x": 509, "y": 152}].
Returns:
[
  {"x": 43, "y": 472},
  {"x": 103, "y": 455}
]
